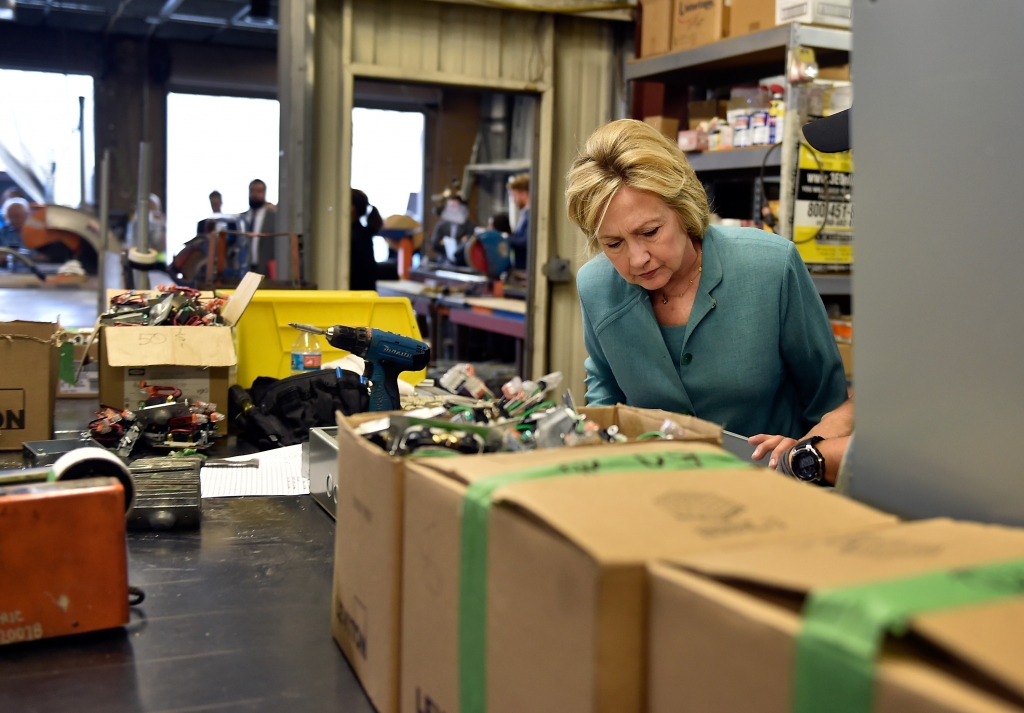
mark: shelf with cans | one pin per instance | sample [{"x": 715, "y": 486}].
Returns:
[{"x": 786, "y": 75}]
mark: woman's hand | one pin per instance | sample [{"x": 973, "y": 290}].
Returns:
[{"x": 766, "y": 443}]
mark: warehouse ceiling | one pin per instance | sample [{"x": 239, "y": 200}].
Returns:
[{"x": 230, "y": 22}]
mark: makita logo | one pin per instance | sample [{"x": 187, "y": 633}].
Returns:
[
  {"x": 392, "y": 350},
  {"x": 355, "y": 629},
  {"x": 695, "y": 6}
]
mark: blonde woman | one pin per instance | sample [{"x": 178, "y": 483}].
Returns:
[{"x": 723, "y": 323}]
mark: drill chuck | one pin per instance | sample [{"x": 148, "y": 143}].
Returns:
[{"x": 352, "y": 339}]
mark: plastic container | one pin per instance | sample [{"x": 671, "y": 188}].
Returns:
[
  {"x": 306, "y": 353},
  {"x": 263, "y": 339}
]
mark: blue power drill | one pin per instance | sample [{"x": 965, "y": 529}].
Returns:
[{"x": 387, "y": 355}]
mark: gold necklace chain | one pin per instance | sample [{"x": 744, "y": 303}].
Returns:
[{"x": 700, "y": 269}]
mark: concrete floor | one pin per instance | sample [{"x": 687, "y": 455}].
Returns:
[{"x": 73, "y": 307}]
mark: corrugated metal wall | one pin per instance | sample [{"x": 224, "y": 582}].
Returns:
[{"x": 569, "y": 61}]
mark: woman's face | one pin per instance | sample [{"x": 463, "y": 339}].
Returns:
[{"x": 643, "y": 238}]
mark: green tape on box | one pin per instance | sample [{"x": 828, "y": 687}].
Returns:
[
  {"x": 476, "y": 506},
  {"x": 844, "y": 628}
]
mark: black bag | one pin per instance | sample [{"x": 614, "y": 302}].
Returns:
[{"x": 283, "y": 410}]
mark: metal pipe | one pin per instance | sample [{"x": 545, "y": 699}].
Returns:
[
  {"x": 104, "y": 207},
  {"x": 142, "y": 212},
  {"x": 81, "y": 148}
]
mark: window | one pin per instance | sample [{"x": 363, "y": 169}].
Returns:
[
  {"x": 217, "y": 143},
  {"x": 39, "y": 119}
]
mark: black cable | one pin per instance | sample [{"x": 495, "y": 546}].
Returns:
[
  {"x": 138, "y": 594},
  {"x": 767, "y": 217},
  {"x": 824, "y": 187}
]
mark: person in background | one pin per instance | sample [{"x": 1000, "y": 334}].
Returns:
[
  {"x": 452, "y": 230},
  {"x": 12, "y": 192},
  {"x": 260, "y": 218},
  {"x": 366, "y": 223},
  {"x": 519, "y": 187},
  {"x": 499, "y": 222},
  {"x": 15, "y": 211},
  {"x": 216, "y": 203}
]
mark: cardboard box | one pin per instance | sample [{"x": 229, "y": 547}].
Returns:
[
  {"x": 367, "y": 598},
  {"x": 724, "y": 627},
  {"x": 695, "y": 140},
  {"x": 699, "y": 111},
  {"x": 748, "y": 16},
  {"x": 28, "y": 382},
  {"x": 835, "y": 13},
  {"x": 665, "y": 124},
  {"x": 698, "y": 22},
  {"x": 564, "y": 567},
  {"x": 194, "y": 359},
  {"x": 655, "y": 27}
]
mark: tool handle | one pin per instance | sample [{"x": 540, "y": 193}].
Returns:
[{"x": 384, "y": 395}]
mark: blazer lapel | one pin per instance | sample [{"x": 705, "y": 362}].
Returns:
[{"x": 711, "y": 275}]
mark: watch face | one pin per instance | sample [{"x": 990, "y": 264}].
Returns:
[{"x": 805, "y": 465}]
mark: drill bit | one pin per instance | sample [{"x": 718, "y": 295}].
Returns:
[{"x": 307, "y": 328}]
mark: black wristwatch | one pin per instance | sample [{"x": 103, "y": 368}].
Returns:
[{"x": 806, "y": 462}]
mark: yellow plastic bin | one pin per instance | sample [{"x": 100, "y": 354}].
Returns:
[{"x": 263, "y": 339}]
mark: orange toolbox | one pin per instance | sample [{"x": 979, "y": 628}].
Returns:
[{"x": 63, "y": 559}]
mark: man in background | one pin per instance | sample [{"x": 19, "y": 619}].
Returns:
[
  {"x": 216, "y": 203},
  {"x": 15, "y": 212},
  {"x": 519, "y": 187},
  {"x": 260, "y": 218}
]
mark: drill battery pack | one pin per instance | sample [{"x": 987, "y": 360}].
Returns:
[{"x": 63, "y": 559}]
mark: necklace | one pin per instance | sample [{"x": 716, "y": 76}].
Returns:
[{"x": 700, "y": 269}]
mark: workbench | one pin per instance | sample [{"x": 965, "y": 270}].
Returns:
[
  {"x": 236, "y": 618},
  {"x": 499, "y": 315}
]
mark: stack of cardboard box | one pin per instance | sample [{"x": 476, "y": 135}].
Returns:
[{"x": 653, "y": 576}]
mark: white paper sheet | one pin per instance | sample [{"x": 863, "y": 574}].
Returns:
[{"x": 279, "y": 473}]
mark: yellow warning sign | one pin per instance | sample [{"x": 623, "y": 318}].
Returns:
[{"x": 823, "y": 213}]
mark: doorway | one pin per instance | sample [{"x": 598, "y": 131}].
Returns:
[{"x": 443, "y": 160}]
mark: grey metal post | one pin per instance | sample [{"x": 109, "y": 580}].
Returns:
[
  {"x": 295, "y": 95},
  {"x": 142, "y": 212},
  {"x": 81, "y": 148},
  {"x": 938, "y": 285},
  {"x": 104, "y": 209}
]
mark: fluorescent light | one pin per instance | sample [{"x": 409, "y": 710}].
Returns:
[{"x": 7, "y": 9}]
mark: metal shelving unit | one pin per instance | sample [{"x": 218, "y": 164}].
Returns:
[
  {"x": 741, "y": 59},
  {"x": 734, "y": 159},
  {"x": 754, "y": 49}
]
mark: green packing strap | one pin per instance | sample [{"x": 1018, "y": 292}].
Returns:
[
  {"x": 476, "y": 507},
  {"x": 843, "y": 629}
]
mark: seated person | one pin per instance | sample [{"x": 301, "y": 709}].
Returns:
[
  {"x": 15, "y": 212},
  {"x": 452, "y": 230}
]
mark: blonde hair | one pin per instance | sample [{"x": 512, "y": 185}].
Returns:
[{"x": 631, "y": 153}]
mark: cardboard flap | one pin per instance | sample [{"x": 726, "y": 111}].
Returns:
[
  {"x": 38, "y": 330},
  {"x": 634, "y": 420},
  {"x": 237, "y": 303},
  {"x": 633, "y": 516},
  {"x": 987, "y": 637},
  {"x": 902, "y": 550},
  {"x": 158, "y": 346},
  {"x": 469, "y": 470}
]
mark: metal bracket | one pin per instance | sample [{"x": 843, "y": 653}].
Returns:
[{"x": 557, "y": 270}]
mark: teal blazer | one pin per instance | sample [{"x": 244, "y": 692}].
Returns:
[{"x": 758, "y": 356}]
